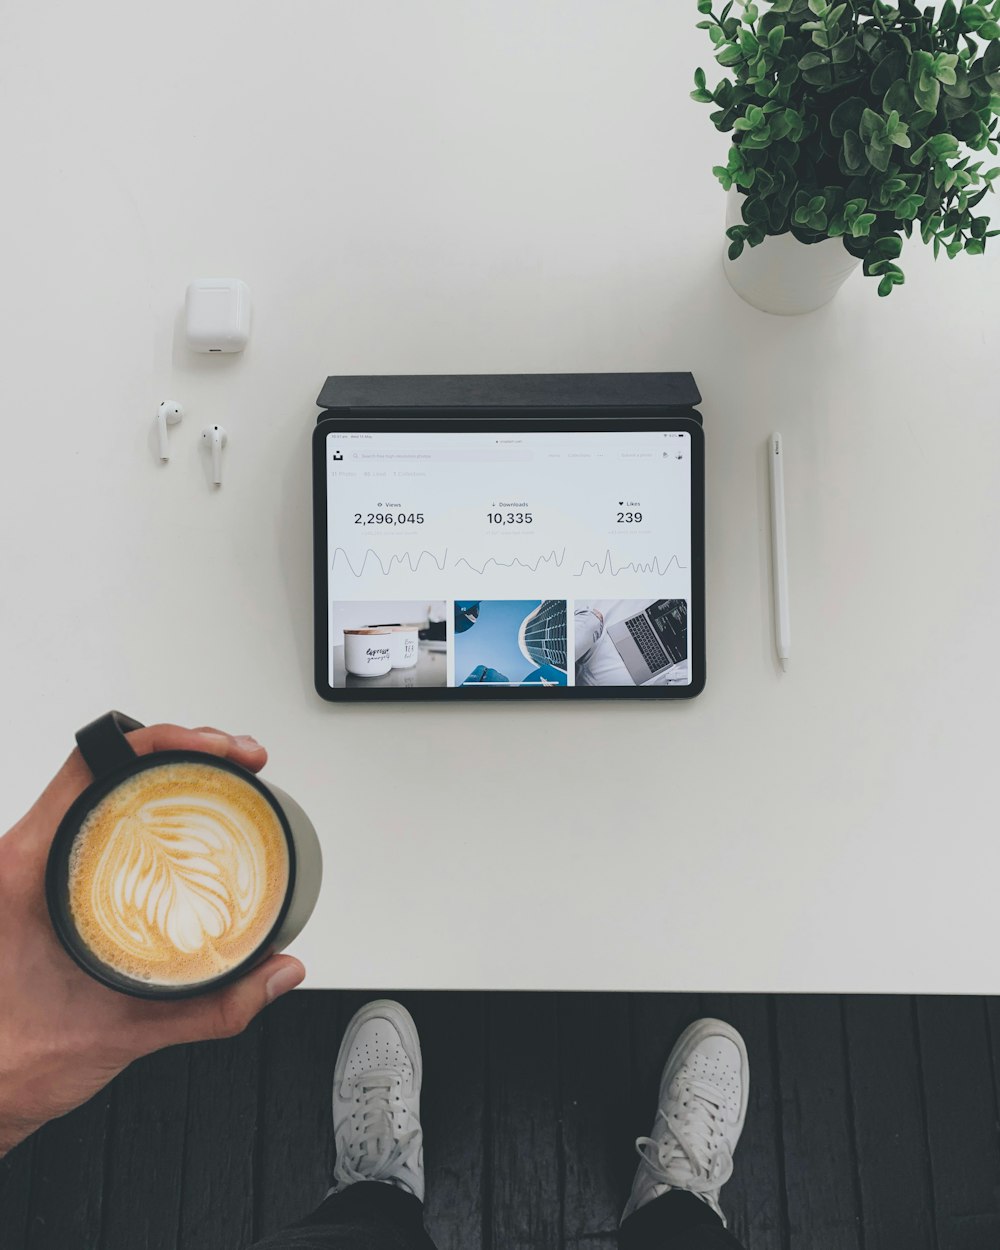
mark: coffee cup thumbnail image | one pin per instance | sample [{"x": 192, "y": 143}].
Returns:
[
  {"x": 631, "y": 642},
  {"x": 511, "y": 642},
  {"x": 393, "y": 642}
]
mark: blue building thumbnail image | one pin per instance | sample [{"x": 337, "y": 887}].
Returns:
[{"x": 511, "y": 642}]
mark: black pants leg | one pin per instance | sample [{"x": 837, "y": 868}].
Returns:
[
  {"x": 375, "y": 1216},
  {"x": 366, "y": 1216},
  {"x": 675, "y": 1221}
]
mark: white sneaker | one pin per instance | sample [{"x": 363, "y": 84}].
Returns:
[
  {"x": 376, "y": 1101},
  {"x": 703, "y": 1103}
]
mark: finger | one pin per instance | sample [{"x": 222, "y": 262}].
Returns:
[
  {"x": 242, "y": 749},
  {"x": 226, "y": 1012}
]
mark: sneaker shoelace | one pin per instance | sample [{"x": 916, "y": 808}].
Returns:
[
  {"x": 692, "y": 1154},
  {"x": 378, "y": 1151}
]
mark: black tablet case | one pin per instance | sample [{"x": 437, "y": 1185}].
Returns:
[{"x": 659, "y": 394}]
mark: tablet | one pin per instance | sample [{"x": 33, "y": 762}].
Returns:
[{"x": 509, "y": 557}]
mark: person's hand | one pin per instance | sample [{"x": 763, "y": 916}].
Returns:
[{"x": 63, "y": 1035}]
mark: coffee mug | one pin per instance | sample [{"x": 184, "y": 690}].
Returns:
[
  {"x": 367, "y": 652},
  {"x": 176, "y": 872},
  {"x": 403, "y": 644}
]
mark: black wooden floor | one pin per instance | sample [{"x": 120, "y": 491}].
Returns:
[{"x": 873, "y": 1125}]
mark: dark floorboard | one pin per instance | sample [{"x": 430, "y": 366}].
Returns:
[
  {"x": 145, "y": 1160},
  {"x": 294, "y": 1160},
  {"x": 873, "y": 1125},
  {"x": 454, "y": 1113},
  {"x": 894, "y": 1172},
  {"x": 961, "y": 1121},
  {"x": 821, "y": 1187},
  {"x": 223, "y": 1105},
  {"x": 66, "y": 1196},
  {"x": 523, "y": 1152},
  {"x": 15, "y": 1192},
  {"x": 594, "y": 1071}
]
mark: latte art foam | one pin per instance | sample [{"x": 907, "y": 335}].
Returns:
[{"x": 178, "y": 874}]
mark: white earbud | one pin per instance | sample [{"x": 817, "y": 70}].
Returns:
[
  {"x": 168, "y": 413},
  {"x": 214, "y": 436}
]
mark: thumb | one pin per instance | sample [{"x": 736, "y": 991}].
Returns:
[{"x": 228, "y": 1012}]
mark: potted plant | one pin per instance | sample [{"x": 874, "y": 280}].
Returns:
[{"x": 854, "y": 124}]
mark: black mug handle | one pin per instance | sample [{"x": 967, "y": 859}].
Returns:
[{"x": 103, "y": 744}]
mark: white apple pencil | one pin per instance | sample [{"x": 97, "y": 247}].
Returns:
[{"x": 779, "y": 552}]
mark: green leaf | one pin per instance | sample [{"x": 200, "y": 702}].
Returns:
[
  {"x": 780, "y": 126},
  {"x": 775, "y": 38},
  {"x": 854, "y": 151},
  {"x": 748, "y": 42},
  {"x": 907, "y": 208},
  {"x": 730, "y": 55},
  {"x": 704, "y": 6},
  {"x": 960, "y": 89},
  {"x": 927, "y": 94},
  {"x": 862, "y": 224},
  {"x": 989, "y": 30},
  {"x": 871, "y": 125},
  {"x": 890, "y": 68},
  {"x": 846, "y": 116},
  {"x": 889, "y": 245},
  {"x": 944, "y": 67},
  {"x": 878, "y": 155},
  {"x": 884, "y": 287},
  {"x": 943, "y": 145},
  {"x": 975, "y": 247},
  {"x": 972, "y": 17},
  {"x": 898, "y": 98},
  {"x": 843, "y": 51}
]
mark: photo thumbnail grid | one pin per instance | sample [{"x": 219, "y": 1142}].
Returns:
[{"x": 510, "y": 642}]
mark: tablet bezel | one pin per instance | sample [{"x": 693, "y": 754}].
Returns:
[{"x": 505, "y": 422}]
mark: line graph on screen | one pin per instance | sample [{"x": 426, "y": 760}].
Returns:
[{"x": 373, "y": 563}]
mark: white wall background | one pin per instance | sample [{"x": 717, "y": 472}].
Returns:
[{"x": 478, "y": 187}]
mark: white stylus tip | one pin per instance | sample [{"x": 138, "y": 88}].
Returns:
[{"x": 784, "y": 663}]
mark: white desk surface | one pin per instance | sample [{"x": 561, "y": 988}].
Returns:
[{"x": 496, "y": 188}]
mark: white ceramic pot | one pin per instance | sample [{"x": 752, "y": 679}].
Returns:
[
  {"x": 782, "y": 275},
  {"x": 367, "y": 652}
]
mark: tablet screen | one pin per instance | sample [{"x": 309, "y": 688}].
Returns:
[{"x": 482, "y": 559}]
